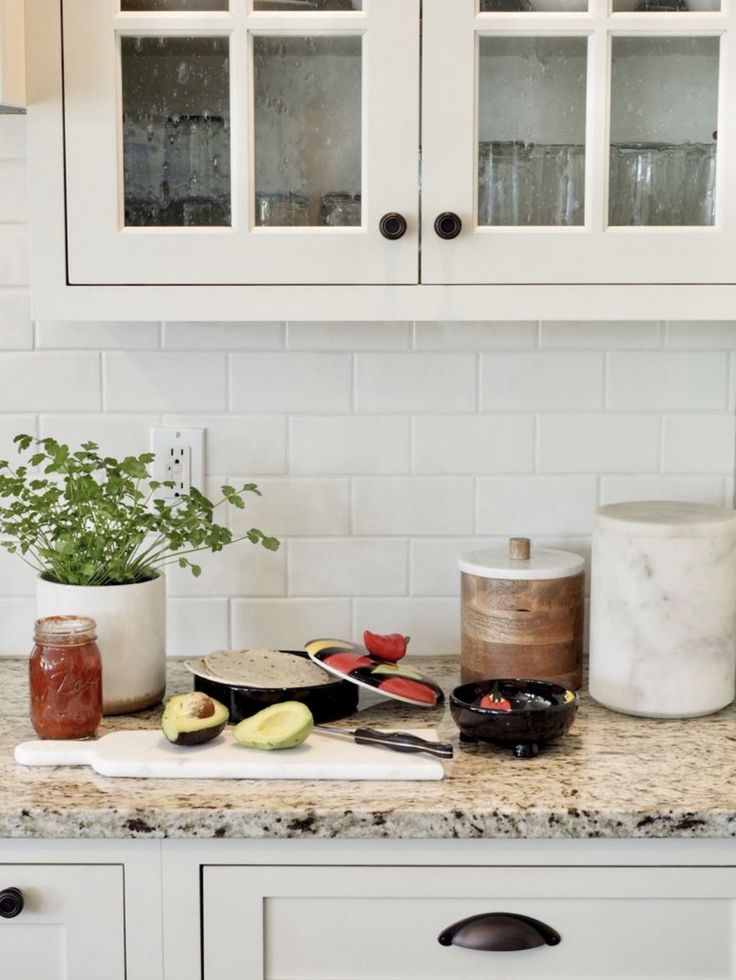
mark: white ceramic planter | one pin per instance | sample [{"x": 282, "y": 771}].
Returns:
[{"x": 131, "y": 635}]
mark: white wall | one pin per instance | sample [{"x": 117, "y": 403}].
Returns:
[{"x": 383, "y": 450}]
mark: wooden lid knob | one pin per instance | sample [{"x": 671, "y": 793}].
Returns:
[{"x": 520, "y": 548}]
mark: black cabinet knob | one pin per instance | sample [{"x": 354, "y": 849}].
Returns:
[
  {"x": 11, "y": 902},
  {"x": 392, "y": 225},
  {"x": 448, "y": 224},
  {"x": 499, "y": 932}
]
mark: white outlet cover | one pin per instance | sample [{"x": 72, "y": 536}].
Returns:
[{"x": 163, "y": 440}]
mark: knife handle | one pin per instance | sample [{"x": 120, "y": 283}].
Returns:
[{"x": 402, "y": 742}]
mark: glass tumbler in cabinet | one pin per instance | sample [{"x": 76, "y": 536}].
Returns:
[{"x": 250, "y": 141}]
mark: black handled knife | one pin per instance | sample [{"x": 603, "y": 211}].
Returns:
[{"x": 398, "y": 741}]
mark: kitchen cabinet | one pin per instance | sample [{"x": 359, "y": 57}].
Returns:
[{"x": 251, "y": 159}]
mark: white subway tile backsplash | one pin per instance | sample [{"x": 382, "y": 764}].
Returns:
[
  {"x": 17, "y": 615},
  {"x": 16, "y": 574},
  {"x": 433, "y": 563},
  {"x": 302, "y": 507},
  {"x": 240, "y": 569},
  {"x": 196, "y": 627},
  {"x": 223, "y": 336},
  {"x": 542, "y": 381},
  {"x": 416, "y": 382},
  {"x": 116, "y": 435},
  {"x": 352, "y": 566},
  {"x": 291, "y": 382},
  {"x": 413, "y": 505},
  {"x": 539, "y": 505},
  {"x": 432, "y": 624},
  {"x": 49, "y": 382},
  {"x": 13, "y": 191},
  {"x": 82, "y": 334},
  {"x": 12, "y": 137},
  {"x": 701, "y": 334},
  {"x": 699, "y": 443},
  {"x": 608, "y": 442},
  {"x": 354, "y": 336},
  {"x": 667, "y": 381},
  {"x": 473, "y": 335},
  {"x": 251, "y": 444},
  {"x": 287, "y": 624},
  {"x": 14, "y": 270},
  {"x": 16, "y": 326},
  {"x": 10, "y": 427},
  {"x": 698, "y": 489},
  {"x": 349, "y": 444},
  {"x": 164, "y": 382},
  {"x": 601, "y": 335},
  {"x": 469, "y": 444}
]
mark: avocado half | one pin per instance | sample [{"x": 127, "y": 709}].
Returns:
[
  {"x": 280, "y": 726},
  {"x": 193, "y": 718}
]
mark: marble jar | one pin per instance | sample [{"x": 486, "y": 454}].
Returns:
[{"x": 663, "y": 608}]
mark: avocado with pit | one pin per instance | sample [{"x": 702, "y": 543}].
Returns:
[
  {"x": 193, "y": 718},
  {"x": 280, "y": 726}
]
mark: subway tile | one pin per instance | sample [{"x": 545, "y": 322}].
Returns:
[
  {"x": 196, "y": 627},
  {"x": 549, "y": 380},
  {"x": 301, "y": 507},
  {"x": 536, "y": 505},
  {"x": 416, "y": 382},
  {"x": 476, "y": 335},
  {"x": 291, "y": 382},
  {"x": 433, "y": 563},
  {"x": 667, "y": 381},
  {"x": 94, "y": 335},
  {"x": 17, "y": 578},
  {"x": 17, "y": 614},
  {"x": 599, "y": 443},
  {"x": 164, "y": 382},
  {"x": 352, "y": 566},
  {"x": 12, "y": 137},
  {"x": 49, "y": 382},
  {"x": 253, "y": 444},
  {"x": 469, "y": 444},
  {"x": 14, "y": 265},
  {"x": 698, "y": 444},
  {"x": 355, "y": 336},
  {"x": 116, "y": 435},
  {"x": 696, "y": 489},
  {"x": 413, "y": 505},
  {"x": 601, "y": 335},
  {"x": 16, "y": 327},
  {"x": 10, "y": 427},
  {"x": 432, "y": 624},
  {"x": 368, "y": 444},
  {"x": 701, "y": 334},
  {"x": 240, "y": 569},
  {"x": 287, "y": 624},
  {"x": 213, "y": 335},
  {"x": 13, "y": 190}
]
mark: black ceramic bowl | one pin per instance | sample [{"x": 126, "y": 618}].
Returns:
[
  {"x": 330, "y": 701},
  {"x": 539, "y": 712}
]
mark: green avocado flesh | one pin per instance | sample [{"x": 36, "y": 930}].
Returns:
[
  {"x": 280, "y": 726},
  {"x": 193, "y": 718}
]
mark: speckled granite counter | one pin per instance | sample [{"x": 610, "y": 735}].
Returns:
[{"x": 612, "y": 776}]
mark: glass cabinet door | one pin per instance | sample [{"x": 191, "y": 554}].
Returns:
[
  {"x": 578, "y": 141},
  {"x": 241, "y": 141}
]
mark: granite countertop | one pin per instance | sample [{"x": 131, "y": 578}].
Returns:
[{"x": 612, "y": 776}]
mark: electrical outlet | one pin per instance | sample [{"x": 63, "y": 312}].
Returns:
[{"x": 179, "y": 458}]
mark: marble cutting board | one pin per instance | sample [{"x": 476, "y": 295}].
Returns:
[{"x": 145, "y": 754}]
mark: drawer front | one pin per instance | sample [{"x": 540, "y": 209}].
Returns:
[
  {"x": 380, "y": 923},
  {"x": 71, "y": 926}
]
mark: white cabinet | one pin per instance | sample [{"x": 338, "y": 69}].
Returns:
[{"x": 250, "y": 159}]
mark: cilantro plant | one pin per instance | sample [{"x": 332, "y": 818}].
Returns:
[{"x": 82, "y": 519}]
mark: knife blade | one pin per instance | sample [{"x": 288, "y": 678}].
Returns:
[{"x": 397, "y": 741}]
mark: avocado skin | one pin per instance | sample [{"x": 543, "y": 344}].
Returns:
[
  {"x": 182, "y": 728},
  {"x": 280, "y": 726}
]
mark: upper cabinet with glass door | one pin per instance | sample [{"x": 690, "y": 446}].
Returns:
[
  {"x": 578, "y": 141},
  {"x": 251, "y": 142}
]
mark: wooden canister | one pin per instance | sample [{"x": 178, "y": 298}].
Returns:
[{"x": 522, "y": 614}]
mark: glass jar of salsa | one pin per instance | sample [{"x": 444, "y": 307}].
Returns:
[{"x": 65, "y": 675}]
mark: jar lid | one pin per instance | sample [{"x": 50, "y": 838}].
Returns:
[
  {"x": 542, "y": 563},
  {"x": 667, "y": 519},
  {"x": 64, "y": 625}
]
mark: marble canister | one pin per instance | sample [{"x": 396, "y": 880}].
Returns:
[{"x": 663, "y": 608}]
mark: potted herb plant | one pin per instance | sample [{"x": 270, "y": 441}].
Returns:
[{"x": 99, "y": 534}]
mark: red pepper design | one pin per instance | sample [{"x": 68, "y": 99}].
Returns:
[
  {"x": 499, "y": 704},
  {"x": 385, "y": 646},
  {"x": 406, "y": 688},
  {"x": 347, "y": 662}
]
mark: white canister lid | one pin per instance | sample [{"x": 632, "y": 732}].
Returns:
[
  {"x": 667, "y": 519},
  {"x": 542, "y": 563}
]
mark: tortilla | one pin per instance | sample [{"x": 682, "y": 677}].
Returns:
[{"x": 259, "y": 668}]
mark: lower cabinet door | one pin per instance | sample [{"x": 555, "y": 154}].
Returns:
[
  {"x": 70, "y": 925},
  {"x": 384, "y": 923}
]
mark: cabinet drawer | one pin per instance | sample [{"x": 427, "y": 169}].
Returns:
[
  {"x": 383, "y": 923},
  {"x": 71, "y": 926}
]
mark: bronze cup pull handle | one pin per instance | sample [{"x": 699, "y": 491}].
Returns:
[
  {"x": 448, "y": 225},
  {"x": 11, "y": 903},
  {"x": 392, "y": 226},
  {"x": 499, "y": 932}
]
